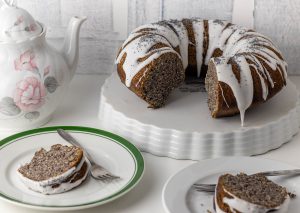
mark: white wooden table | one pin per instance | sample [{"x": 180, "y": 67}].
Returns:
[{"x": 80, "y": 107}]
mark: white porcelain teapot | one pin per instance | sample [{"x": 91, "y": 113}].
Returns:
[{"x": 33, "y": 75}]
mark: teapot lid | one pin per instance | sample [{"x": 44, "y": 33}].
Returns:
[{"x": 16, "y": 24}]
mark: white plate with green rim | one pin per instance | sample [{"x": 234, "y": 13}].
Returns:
[
  {"x": 111, "y": 151},
  {"x": 180, "y": 197}
]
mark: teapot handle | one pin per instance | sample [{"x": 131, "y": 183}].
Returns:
[{"x": 9, "y": 3}]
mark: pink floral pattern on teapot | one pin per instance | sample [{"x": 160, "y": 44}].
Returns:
[
  {"x": 16, "y": 27},
  {"x": 26, "y": 61},
  {"x": 30, "y": 93}
]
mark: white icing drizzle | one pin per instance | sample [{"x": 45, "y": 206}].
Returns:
[
  {"x": 139, "y": 48},
  {"x": 237, "y": 204},
  {"x": 184, "y": 41},
  {"x": 198, "y": 28},
  {"x": 215, "y": 28},
  {"x": 45, "y": 187},
  {"x": 237, "y": 43},
  {"x": 138, "y": 44},
  {"x": 263, "y": 74},
  {"x": 222, "y": 92},
  {"x": 243, "y": 89},
  {"x": 64, "y": 187}
]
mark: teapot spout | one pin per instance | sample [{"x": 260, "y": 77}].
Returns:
[{"x": 71, "y": 43}]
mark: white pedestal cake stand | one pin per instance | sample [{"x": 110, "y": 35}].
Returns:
[{"x": 184, "y": 129}]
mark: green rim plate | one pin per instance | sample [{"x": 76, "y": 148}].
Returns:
[{"x": 135, "y": 153}]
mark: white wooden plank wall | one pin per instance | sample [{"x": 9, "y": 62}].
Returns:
[
  {"x": 100, "y": 39},
  {"x": 280, "y": 20}
]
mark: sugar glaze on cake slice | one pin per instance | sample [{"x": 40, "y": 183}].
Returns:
[
  {"x": 249, "y": 194},
  {"x": 60, "y": 169}
]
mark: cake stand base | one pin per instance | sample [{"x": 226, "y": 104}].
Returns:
[{"x": 184, "y": 129}]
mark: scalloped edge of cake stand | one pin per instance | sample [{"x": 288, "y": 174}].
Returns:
[{"x": 198, "y": 145}]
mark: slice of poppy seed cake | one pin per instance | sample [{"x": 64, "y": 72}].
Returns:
[
  {"x": 249, "y": 193},
  {"x": 58, "y": 170}
]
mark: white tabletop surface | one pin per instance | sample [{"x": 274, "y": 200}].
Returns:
[{"x": 80, "y": 107}]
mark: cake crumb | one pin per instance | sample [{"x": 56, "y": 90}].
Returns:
[{"x": 292, "y": 195}]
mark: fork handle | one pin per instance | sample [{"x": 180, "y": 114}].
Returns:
[
  {"x": 65, "y": 135},
  {"x": 281, "y": 172}
]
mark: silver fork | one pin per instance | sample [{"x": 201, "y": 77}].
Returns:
[
  {"x": 98, "y": 172},
  {"x": 211, "y": 187}
]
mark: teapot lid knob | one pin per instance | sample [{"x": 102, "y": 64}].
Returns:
[{"x": 16, "y": 24}]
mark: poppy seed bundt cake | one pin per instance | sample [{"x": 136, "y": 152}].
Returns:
[
  {"x": 58, "y": 170},
  {"x": 250, "y": 193},
  {"x": 241, "y": 67}
]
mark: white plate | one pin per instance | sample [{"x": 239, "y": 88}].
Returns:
[
  {"x": 113, "y": 152},
  {"x": 184, "y": 128},
  {"x": 179, "y": 197}
]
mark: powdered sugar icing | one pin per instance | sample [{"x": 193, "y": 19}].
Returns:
[{"x": 138, "y": 44}]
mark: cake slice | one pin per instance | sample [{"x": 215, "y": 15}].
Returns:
[
  {"x": 58, "y": 170},
  {"x": 249, "y": 194}
]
